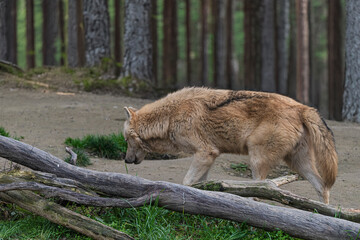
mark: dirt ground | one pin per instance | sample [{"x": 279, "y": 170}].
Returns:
[{"x": 45, "y": 118}]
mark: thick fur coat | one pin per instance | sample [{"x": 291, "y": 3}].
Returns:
[{"x": 207, "y": 122}]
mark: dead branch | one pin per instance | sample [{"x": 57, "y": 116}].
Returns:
[
  {"x": 185, "y": 199},
  {"x": 73, "y": 155}
]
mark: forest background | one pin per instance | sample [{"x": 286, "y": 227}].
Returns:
[{"x": 295, "y": 48}]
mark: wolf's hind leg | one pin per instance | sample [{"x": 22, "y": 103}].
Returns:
[
  {"x": 259, "y": 165},
  {"x": 200, "y": 167},
  {"x": 303, "y": 162}
]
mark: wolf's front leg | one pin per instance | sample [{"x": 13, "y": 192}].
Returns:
[{"x": 200, "y": 167}]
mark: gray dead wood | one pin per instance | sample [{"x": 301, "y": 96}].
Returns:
[
  {"x": 185, "y": 199},
  {"x": 61, "y": 215},
  {"x": 269, "y": 190}
]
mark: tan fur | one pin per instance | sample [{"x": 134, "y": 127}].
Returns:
[{"x": 206, "y": 122}]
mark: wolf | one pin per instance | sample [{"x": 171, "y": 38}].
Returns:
[{"x": 207, "y": 122}]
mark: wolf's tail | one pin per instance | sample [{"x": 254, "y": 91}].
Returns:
[{"x": 323, "y": 143}]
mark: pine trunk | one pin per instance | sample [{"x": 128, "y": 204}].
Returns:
[
  {"x": 351, "y": 108},
  {"x": 335, "y": 60},
  {"x": 97, "y": 31},
  {"x": 50, "y": 31},
  {"x": 30, "y": 34},
  {"x": 170, "y": 45},
  {"x": 302, "y": 61},
  {"x": 137, "y": 40}
]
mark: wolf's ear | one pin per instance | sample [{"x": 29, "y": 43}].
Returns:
[{"x": 130, "y": 112}]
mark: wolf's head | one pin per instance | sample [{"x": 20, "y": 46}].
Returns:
[{"x": 137, "y": 148}]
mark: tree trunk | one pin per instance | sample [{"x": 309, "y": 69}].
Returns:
[
  {"x": 351, "y": 107},
  {"x": 204, "y": 77},
  {"x": 30, "y": 34},
  {"x": 335, "y": 60},
  {"x": 219, "y": 43},
  {"x": 97, "y": 31},
  {"x": 137, "y": 41},
  {"x": 154, "y": 39},
  {"x": 62, "y": 32},
  {"x": 184, "y": 199},
  {"x": 170, "y": 45},
  {"x": 229, "y": 72},
  {"x": 188, "y": 42},
  {"x": 8, "y": 38},
  {"x": 117, "y": 35},
  {"x": 268, "y": 50},
  {"x": 72, "y": 53},
  {"x": 302, "y": 61},
  {"x": 283, "y": 26},
  {"x": 50, "y": 31},
  {"x": 76, "y": 38},
  {"x": 292, "y": 51},
  {"x": 252, "y": 52}
]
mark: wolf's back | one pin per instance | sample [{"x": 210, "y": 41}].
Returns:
[{"x": 323, "y": 143}]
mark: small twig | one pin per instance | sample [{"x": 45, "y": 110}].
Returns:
[
  {"x": 284, "y": 180},
  {"x": 72, "y": 154}
]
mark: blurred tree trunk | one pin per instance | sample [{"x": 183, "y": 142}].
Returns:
[
  {"x": 30, "y": 34},
  {"x": 117, "y": 35},
  {"x": 138, "y": 47},
  {"x": 219, "y": 12},
  {"x": 97, "y": 31},
  {"x": 8, "y": 38},
  {"x": 170, "y": 45},
  {"x": 50, "y": 31},
  {"x": 302, "y": 66},
  {"x": 62, "y": 32},
  {"x": 252, "y": 51},
  {"x": 204, "y": 78},
  {"x": 317, "y": 47},
  {"x": 229, "y": 72},
  {"x": 76, "y": 37},
  {"x": 292, "y": 52},
  {"x": 283, "y": 26},
  {"x": 268, "y": 66},
  {"x": 335, "y": 60},
  {"x": 188, "y": 42},
  {"x": 351, "y": 107},
  {"x": 154, "y": 37}
]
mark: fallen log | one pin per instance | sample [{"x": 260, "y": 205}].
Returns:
[
  {"x": 185, "y": 199},
  {"x": 269, "y": 190},
  {"x": 61, "y": 215}
]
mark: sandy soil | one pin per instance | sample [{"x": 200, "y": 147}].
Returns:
[{"x": 45, "y": 118}]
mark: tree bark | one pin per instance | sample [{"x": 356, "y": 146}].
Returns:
[
  {"x": 8, "y": 38},
  {"x": 204, "y": 77},
  {"x": 268, "y": 50},
  {"x": 170, "y": 45},
  {"x": 220, "y": 43},
  {"x": 61, "y": 215},
  {"x": 252, "y": 53},
  {"x": 30, "y": 34},
  {"x": 184, "y": 199},
  {"x": 283, "y": 26},
  {"x": 188, "y": 42},
  {"x": 302, "y": 61},
  {"x": 137, "y": 41},
  {"x": 154, "y": 39},
  {"x": 351, "y": 107},
  {"x": 62, "y": 32},
  {"x": 50, "y": 31},
  {"x": 97, "y": 31}
]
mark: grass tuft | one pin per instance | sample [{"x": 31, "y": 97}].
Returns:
[
  {"x": 82, "y": 160},
  {"x": 111, "y": 146}
]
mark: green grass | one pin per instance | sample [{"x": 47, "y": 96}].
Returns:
[
  {"x": 111, "y": 146},
  {"x": 147, "y": 222},
  {"x": 241, "y": 167}
]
